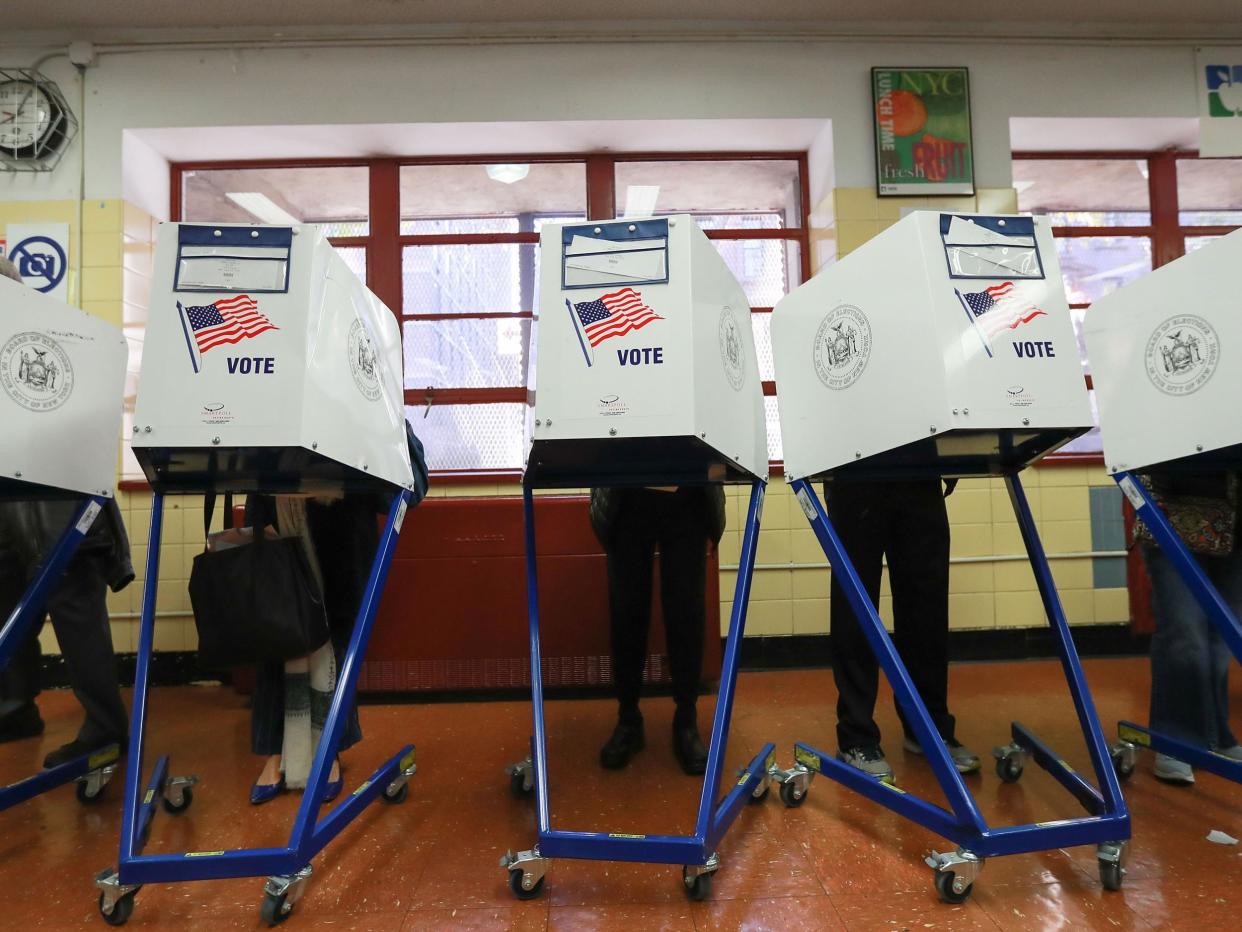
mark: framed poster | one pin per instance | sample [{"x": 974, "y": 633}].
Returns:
[{"x": 922, "y": 132}]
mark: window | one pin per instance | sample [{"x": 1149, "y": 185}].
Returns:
[
  {"x": 452, "y": 247},
  {"x": 1116, "y": 217}
]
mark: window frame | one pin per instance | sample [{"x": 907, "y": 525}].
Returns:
[{"x": 385, "y": 243}]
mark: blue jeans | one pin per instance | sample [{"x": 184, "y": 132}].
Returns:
[{"x": 1189, "y": 659}]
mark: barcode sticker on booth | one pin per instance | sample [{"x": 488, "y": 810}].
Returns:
[
  {"x": 88, "y": 517},
  {"x": 401, "y": 509},
  {"x": 808, "y": 509},
  {"x": 1132, "y": 493}
]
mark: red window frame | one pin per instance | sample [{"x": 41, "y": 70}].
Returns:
[{"x": 384, "y": 242}]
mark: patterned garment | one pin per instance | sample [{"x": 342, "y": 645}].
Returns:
[{"x": 1207, "y": 525}]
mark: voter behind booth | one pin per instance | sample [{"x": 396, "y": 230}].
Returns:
[
  {"x": 906, "y": 522},
  {"x": 79, "y": 612},
  {"x": 630, "y": 524},
  {"x": 290, "y": 702},
  {"x": 1189, "y": 658}
]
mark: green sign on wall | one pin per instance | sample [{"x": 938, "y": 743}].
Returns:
[{"x": 922, "y": 131}]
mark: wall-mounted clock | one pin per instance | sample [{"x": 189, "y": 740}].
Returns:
[{"x": 36, "y": 122}]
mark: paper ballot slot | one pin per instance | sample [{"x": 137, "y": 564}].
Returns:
[
  {"x": 601, "y": 255},
  {"x": 645, "y": 359},
  {"x": 230, "y": 259},
  {"x": 907, "y": 358},
  {"x": 990, "y": 247},
  {"x": 1161, "y": 351},
  {"x": 62, "y": 387},
  {"x": 287, "y": 388}
]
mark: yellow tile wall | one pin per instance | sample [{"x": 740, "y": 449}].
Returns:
[{"x": 989, "y": 588}]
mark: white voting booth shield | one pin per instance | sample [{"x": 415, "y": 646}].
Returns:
[
  {"x": 62, "y": 386},
  {"x": 266, "y": 359},
  {"x": 1161, "y": 365},
  {"x": 944, "y": 340},
  {"x": 645, "y": 357}
]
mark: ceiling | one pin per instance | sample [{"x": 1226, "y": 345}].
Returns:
[{"x": 1153, "y": 18}]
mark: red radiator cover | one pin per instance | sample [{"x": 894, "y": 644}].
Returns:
[{"x": 453, "y": 615}]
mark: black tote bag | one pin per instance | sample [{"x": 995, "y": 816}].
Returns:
[{"x": 255, "y": 602}]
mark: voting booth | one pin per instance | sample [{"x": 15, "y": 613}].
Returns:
[
  {"x": 267, "y": 367},
  {"x": 645, "y": 358},
  {"x": 62, "y": 387},
  {"x": 1159, "y": 351},
  {"x": 646, "y": 375},
  {"x": 942, "y": 348}
]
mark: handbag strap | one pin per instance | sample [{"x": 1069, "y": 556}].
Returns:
[{"x": 209, "y": 511}]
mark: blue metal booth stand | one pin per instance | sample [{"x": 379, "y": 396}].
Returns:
[
  {"x": 91, "y": 771},
  {"x": 1107, "y": 823},
  {"x": 271, "y": 470},
  {"x": 638, "y": 462},
  {"x": 1132, "y": 736}
]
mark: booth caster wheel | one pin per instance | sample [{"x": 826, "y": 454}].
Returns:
[
  {"x": 517, "y": 884},
  {"x": 792, "y": 795},
  {"x": 1124, "y": 757},
  {"x": 951, "y": 890},
  {"x": 85, "y": 795},
  {"x": 697, "y": 878},
  {"x": 121, "y": 910},
  {"x": 526, "y": 871},
  {"x": 517, "y": 786},
  {"x": 1111, "y": 858},
  {"x": 698, "y": 888},
  {"x": 760, "y": 794},
  {"x": 1111, "y": 875},
  {"x": 176, "y": 807},
  {"x": 397, "y": 796},
  {"x": 1009, "y": 769},
  {"x": 275, "y": 909}
]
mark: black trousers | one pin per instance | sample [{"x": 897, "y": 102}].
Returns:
[
  {"x": 908, "y": 523},
  {"x": 79, "y": 611},
  {"x": 673, "y": 522}
]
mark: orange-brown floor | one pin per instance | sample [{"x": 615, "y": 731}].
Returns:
[{"x": 837, "y": 862}]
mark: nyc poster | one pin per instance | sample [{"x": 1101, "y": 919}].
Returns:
[{"x": 922, "y": 132}]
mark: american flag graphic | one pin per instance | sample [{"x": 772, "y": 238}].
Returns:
[
  {"x": 614, "y": 314},
  {"x": 228, "y": 320},
  {"x": 998, "y": 308}
]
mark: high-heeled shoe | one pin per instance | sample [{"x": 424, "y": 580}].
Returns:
[
  {"x": 261, "y": 793},
  {"x": 333, "y": 787}
]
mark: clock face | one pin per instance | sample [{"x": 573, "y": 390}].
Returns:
[{"x": 26, "y": 116}]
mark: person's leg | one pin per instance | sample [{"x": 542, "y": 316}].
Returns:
[
  {"x": 918, "y": 574},
  {"x": 683, "y": 587},
  {"x": 19, "y": 680},
  {"x": 79, "y": 612},
  {"x": 855, "y": 510},
  {"x": 1226, "y": 575},
  {"x": 629, "y": 555},
  {"x": 267, "y": 728},
  {"x": 1183, "y": 697}
]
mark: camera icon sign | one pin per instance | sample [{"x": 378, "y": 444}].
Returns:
[{"x": 42, "y": 259}]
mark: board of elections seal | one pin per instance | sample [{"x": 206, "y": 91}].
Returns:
[
  {"x": 363, "y": 362},
  {"x": 842, "y": 347},
  {"x": 35, "y": 371},
  {"x": 732, "y": 349},
  {"x": 1182, "y": 353}
]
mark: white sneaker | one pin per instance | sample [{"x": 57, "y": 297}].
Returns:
[
  {"x": 870, "y": 759},
  {"x": 1172, "y": 770},
  {"x": 964, "y": 759}
]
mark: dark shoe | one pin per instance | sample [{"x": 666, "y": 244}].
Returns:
[
  {"x": 23, "y": 722},
  {"x": 78, "y": 748},
  {"x": 626, "y": 741},
  {"x": 688, "y": 749},
  {"x": 333, "y": 788},
  {"x": 261, "y": 793}
]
